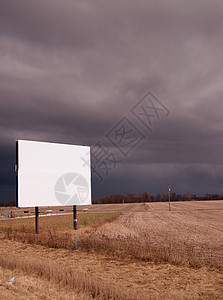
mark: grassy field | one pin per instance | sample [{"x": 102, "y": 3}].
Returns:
[
  {"x": 54, "y": 222},
  {"x": 130, "y": 251}
]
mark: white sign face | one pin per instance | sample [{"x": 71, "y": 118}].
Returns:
[{"x": 52, "y": 174}]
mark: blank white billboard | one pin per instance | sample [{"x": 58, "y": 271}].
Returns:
[{"x": 51, "y": 174}]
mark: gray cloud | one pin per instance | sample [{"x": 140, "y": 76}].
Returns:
[{"x": 70, "y": 70}]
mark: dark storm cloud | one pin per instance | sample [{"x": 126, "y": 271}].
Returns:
[
  {"x": 49, "y": 23},
  {"x": 7, "y": 165},
  {"x": 69, "y": 70}
]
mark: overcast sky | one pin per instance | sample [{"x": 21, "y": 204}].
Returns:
[{"x": 70, "y": 71}]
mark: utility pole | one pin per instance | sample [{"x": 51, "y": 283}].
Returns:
[{"x": 169, "y": 195}]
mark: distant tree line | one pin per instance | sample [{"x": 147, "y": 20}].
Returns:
[
  {"x": 148, "y": 197},
  {"x": 8, "y": 203},
  {"x": 138, "y": 198}
]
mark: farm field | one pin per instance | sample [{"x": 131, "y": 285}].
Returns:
[
  {"x": 130, "y": 251},
  {"x": 185, "y": 205},
  {"x": 109, "y": 208}
]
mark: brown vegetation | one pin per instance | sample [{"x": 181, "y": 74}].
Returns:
[
  {"x": 63, "y": 276},
  {"x": 193, "y": 238},
  {"x": 188, "y": 238}
]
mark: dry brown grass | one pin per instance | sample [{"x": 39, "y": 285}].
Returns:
[
  {"x": 52, "y": 235},
  {"x": 192, "y": 238},
  {"x": 29, "y": 286},
  {"x": 66, "y": 277},
  {"x": 183, "y": 238},
  {"x": 136, "y": 279}
]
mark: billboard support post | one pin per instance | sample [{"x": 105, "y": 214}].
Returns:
[
  {"x": 75, "y": 216},
  {"x": 37, "y": 219}
]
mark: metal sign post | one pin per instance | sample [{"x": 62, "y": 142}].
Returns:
[
  {"x": 37, "y": 219},
  {"x": 169, "y": 195},
  {"x": 75, "y": 217}
]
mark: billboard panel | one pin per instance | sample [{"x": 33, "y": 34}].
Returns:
[{"x": 51, "y": 174}]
